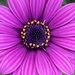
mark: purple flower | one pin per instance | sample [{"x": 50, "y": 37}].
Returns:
[{"x": 37, "y": 37}]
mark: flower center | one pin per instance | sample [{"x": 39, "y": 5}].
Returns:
[{"x": 35, "y": 35}]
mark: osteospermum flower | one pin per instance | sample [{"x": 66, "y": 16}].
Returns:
[{"x": 37, "y": 37}]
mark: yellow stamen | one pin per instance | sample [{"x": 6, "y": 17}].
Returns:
[
  {"x": 32, "y": 22},
  {"x": 48, "y": 37},
  {"x": 38, "y": 22},
  {"x": 35, "y": 20},
  {"x": 30, "y": 44},
  {"x": 46, "y": 41},
  {"x": 21, "y": 32},
  {"x": 28, "y": 23},
  {"x": 33, "y": 45},
  {"x": 37, "y": 46}
]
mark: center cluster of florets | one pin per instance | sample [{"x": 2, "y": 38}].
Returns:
[{"x": 35, "y": 35}]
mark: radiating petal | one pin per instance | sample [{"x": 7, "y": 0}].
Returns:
[
  {"x": 37, "y": 7},
  {"x": 68, "y": 43},
  {"x": 63, "y": 16},
  {"x": 6, "y": 29},
  {"x": 13, "y": 60},
  {"x": 20, "y": 9},
  {"x": 7, "y": 41},
  {"x": 6, "y": 16},
  {"x": 43, "y": 64},
  {"x": 28, "y": 67},
  {"x": 55, "y": 70},
  {"x": 65, "y": 31},
  {"x": 17, "y": 71},
  {"x": 60, "y": 60},
  {"x": 51, "y": 7}
]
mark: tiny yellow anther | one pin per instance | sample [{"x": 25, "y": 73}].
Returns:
[
  {"x": 24, "y": 29},
  {"x": 25, "y": 26},
  {"x": 24, "y": 34},
  {"x": 46, "y": 41},
  {"x": 46, "y": 27},
  {"x": 21, "y": 32},
  {"x": 48, "y": 37},
  {"x": 42, "y": 44},
  {"x": 37, "y": 46},
  {"x": 33, "y": 45},
  {"x": 46, "y": 44},
  {"x": 38, "y": 22},
  {"x": 32, "y": 22},
  {"x": 45, "y": 32},
  {"x": 48, "y": 30},
  {"x": 28, "y": 23},
  {"x": 23, "y": 37},
  {"x": 42, "y": 23},
  {"x": 35, "y": 20},
  {"x": 30, "y": 44},
  {"x": 48, "y": 33}
]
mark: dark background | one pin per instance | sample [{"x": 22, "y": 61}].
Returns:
[{"x": 3, "y": 2}]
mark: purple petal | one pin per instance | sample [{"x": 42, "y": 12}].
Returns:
[
  {"x": 20, "y": 9},
  {"x": 65, "y": 31},
  {"x": 68, "y": 43},
  {"x": 13, "y": 60},
  {"x": 7, "y": 17},
  {"x": 29, "y": 67},
  {"x": 37, "y": 7},
  {"x": 60, "y": 60},
  {"x": 6, "y": 29},
  {"x": 63, "y": 16},
  {"x": 7, "y": 41},
  {"x": 51, "y": 7},
  {"x": 43, "y": 63},
  {"x": 17, "y": 71},
  {"x": 55, "y": 70},
  {"x": 66, "y": 52},
  {"x": 1, "y": 55}
]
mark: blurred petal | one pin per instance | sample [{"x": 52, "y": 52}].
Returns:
[
  {"x": 20, "y": 9},
  {"x": 51, "y": 7},
  {"x": 6, "y": 16},
  {"x": 17, "y": 71},
  {"x": 60, "y": 60},
  {"x": 28, "y": 67},
  {"x": 55, "y": 70},
  {"x": 13, "y": 60},
  {"x": 68, "y": 43},
  {"x": 43, "y": 63},
  {"x": 63, "y": 16},
  {"x": 37, "y": 7},
  {"x": 7, "y": 41},
  {"x": 65, "y": 31},
  {"x": 6, "y": 29}
]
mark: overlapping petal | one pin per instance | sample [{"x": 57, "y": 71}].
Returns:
[
  {"x": 12, "y": 60},
  {"x": 7, "y": 41},
  {"x": 43, "y": 63},
  {"x": 60, "y": 60},
  {"x": 20, "y": 8},
  {"x": 17, "y": 71},
  {"x": 55, "y": 70},
  {"x": 37, "y": 7},
  {"x": 65, "y": 31},
  {"x": 50, "y": 9},
  {"x": 6, "y": 16},
  {"x": 6, "y": 28},
  {"x": 29, "y": 67},
  {"x": 68, "y": 43},
  {"x": 63, "y": 16}
]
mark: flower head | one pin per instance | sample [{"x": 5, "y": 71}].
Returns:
[{"x": 37, "y": 37}]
